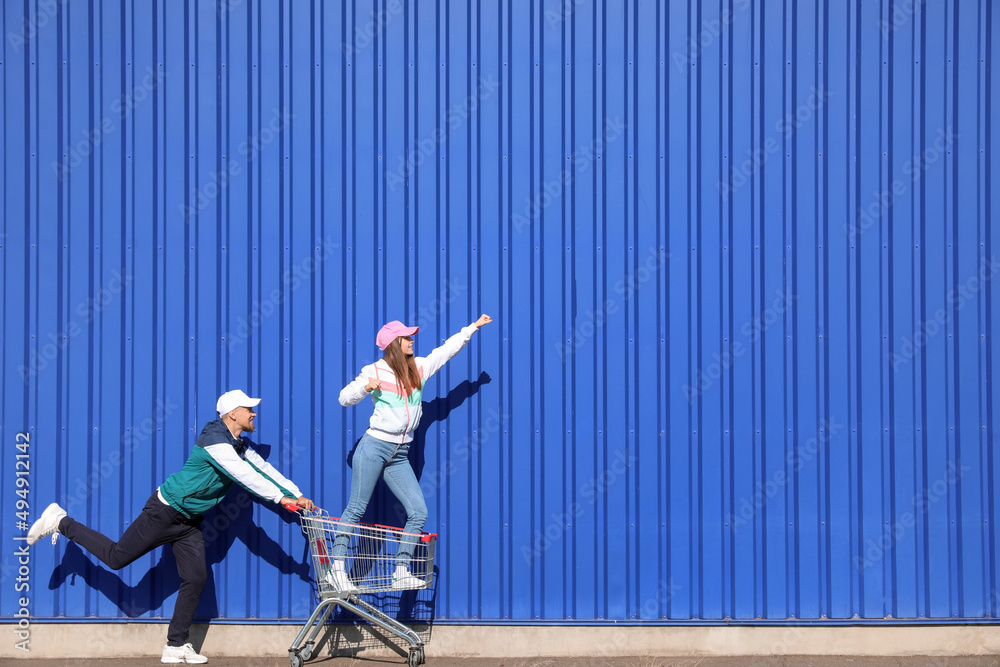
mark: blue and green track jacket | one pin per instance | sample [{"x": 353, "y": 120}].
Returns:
[{"x": 219, "y": 459}]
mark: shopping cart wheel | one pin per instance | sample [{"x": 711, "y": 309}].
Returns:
[
  {"x": 416, "y": 657},
  {"x": 295, "y": 658},
  {"x": 306, "y": 651}
]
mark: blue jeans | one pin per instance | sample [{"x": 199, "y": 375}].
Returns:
[{"x": 376, "y": 458}]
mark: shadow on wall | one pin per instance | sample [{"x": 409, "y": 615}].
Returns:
[
  {"x": 232, "y": 519},
  {"x": 437, "y": 411}
]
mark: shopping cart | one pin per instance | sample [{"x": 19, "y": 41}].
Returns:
[{"x": 371, "y": 565}]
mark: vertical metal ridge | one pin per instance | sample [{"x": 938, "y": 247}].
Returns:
[
  {"x": 951, "y": 199},
  {"x": 569, "y": 373},
  {"x": 662, "y": 315},
  {"x": 991, "y": 605}
]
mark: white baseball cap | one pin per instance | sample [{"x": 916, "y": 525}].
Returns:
[{"x": 234, "y": 399}]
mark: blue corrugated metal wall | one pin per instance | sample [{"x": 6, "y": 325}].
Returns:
[{"x": 739, "y": 255}]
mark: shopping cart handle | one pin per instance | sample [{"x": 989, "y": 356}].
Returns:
[{"x": 293, "y": 507}]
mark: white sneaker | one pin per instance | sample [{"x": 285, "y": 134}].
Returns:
[
  {"x": 182, "y": 654},
  {"x": 403, "y": 579},
  {"x": 47, "y": 524},
  {"x": 340, "y": 582}
]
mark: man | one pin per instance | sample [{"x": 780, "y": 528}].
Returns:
[{"x": 173, "y": 513}]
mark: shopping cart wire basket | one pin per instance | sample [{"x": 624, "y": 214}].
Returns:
[{"x": 352, "y": 559}]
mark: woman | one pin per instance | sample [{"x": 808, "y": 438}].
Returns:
[{"x": 395, "y": 384}]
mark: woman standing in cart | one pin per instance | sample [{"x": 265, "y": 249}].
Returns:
[{"x": 395, "y": 383}]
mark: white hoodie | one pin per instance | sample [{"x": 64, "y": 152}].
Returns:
[{"x": 397, "y": 415}]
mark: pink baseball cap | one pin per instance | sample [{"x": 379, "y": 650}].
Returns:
[{"x": 391, "y": 332}]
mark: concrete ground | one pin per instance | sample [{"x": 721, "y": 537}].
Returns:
[
  {"x": 363, "y": 645},
  {"x": 637, "y": 661}
]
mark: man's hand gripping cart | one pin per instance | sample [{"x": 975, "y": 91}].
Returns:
[{"x": 350, "y": 560}]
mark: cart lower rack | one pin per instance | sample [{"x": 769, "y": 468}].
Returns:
[{"x": 351, "y": 559}]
